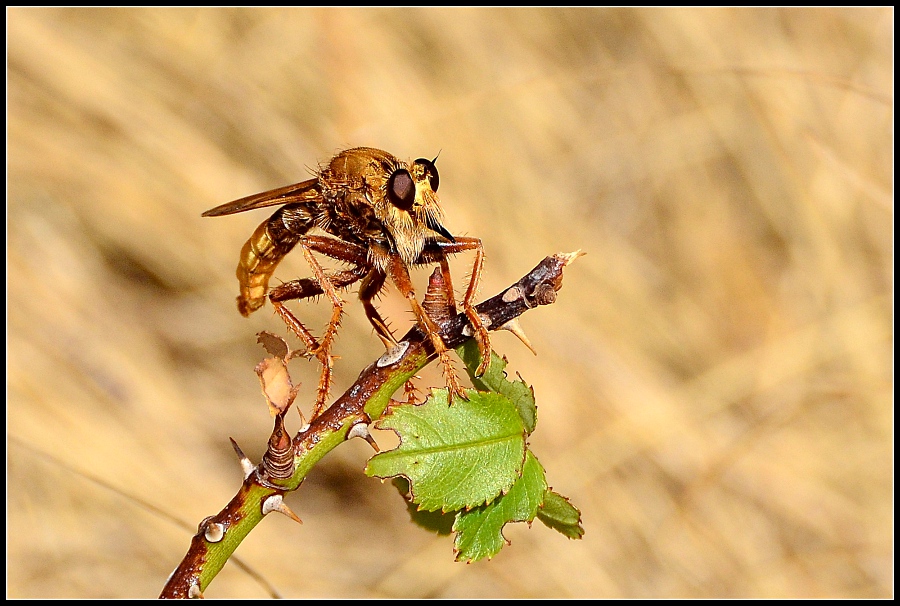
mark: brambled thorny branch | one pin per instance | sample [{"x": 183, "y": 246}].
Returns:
[{"x": 264, "y": 485}]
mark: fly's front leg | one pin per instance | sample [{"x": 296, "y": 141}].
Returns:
[
  {"x": 400, "y": 277},
  {"x": 437, "y": 252}
]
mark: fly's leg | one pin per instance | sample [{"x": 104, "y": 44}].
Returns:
[
  {"x": 294, "y": 324},
  {"x": 400, "y": 277},
  {"x": 323, "y": 352},
  {"x": 368, "y": 290},
  {"x": 337, "y": 304},
  {"x": 302, "y": 289},
  {"x": 321, "y": 284},
  {"x": 447, "y": 283},
  {"x": 478, "y": 328},
  {"x": 436, "y": 252}
]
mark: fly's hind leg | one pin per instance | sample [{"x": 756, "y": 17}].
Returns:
[
  {"x": 326, "y": 284},
  {"x": 302, "y": 289}
]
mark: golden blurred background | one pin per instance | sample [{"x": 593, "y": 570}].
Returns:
[{"x": 714, "y": 383}]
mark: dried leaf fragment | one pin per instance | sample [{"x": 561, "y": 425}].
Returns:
[
  {"x": 275, "y": 345},
  {"x": 276, "y": 384}
]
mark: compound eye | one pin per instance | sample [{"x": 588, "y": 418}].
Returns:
[
  {"x": 431, "y": 172},
  {"x": 401, "y": 190}
]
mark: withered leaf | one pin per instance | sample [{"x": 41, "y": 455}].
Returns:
[
  {"x": 273, "y": 344},
  {"x": 276, "y": 384}
]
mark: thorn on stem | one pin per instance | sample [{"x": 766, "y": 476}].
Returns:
[
  {"x": 246, "y": 466},
  {"x": 393, "y": 354},
  {"x": 276, "y": 503},
  {"x": 361, "y": 430},
  {"x": 437, "y": 302},
  {"x": 278, "y": 460},
  {"x": 567, "y": 258},
  {"x": 515, "y": 328}
]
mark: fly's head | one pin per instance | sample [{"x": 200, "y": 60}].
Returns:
[{"x": 409, "y": 207}]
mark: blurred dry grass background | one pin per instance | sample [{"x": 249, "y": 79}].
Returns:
[{"x": 714, "y": 384}]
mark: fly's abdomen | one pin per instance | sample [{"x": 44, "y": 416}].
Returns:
[{"x": 262, "y": 253}]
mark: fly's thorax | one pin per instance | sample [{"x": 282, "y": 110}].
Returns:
[
  {"x": 361, "y": 163},
  {"x": 372, "y": 195}
]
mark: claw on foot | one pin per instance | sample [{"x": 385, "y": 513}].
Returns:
[{"x": 482, "y": 338}]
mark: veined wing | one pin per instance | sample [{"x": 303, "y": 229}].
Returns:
[{"x": 306, "y": 191}]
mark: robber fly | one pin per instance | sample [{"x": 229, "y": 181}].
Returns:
[{"x": 382, "y": 216}]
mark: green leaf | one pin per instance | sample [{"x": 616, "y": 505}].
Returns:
[
  {"x": 455, "y": 457},
  {"x": 479, "y": 532},
  {"x": 560, "y": 515},
  {"x": 495, "y": 380}
]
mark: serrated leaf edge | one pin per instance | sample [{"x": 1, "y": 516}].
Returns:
[
  {"x": 412, "y": 494},
  {"x": 578, "y": 524},
  {"x": 503, "y": 526}
]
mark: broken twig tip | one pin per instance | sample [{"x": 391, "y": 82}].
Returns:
[{"x": 567, "y": 258}]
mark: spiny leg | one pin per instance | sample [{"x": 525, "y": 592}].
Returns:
[
  {"x": 321, "y": 284},
  {"x": 448, "y": 284},
  {"x": 304, "y": 289},
  {"x": 337, "y": 306},
  {"x": 368, "y": 290},
  {"x": 400, "y": 277},
  {"x": 295, "y": 325},
  {"x": 342, "y": 251},
  {"x": 436, "y": 252},
  {"x": 478, "y": 328}
]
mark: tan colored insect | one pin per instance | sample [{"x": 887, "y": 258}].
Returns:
[{"x": 382, "y": 216}]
